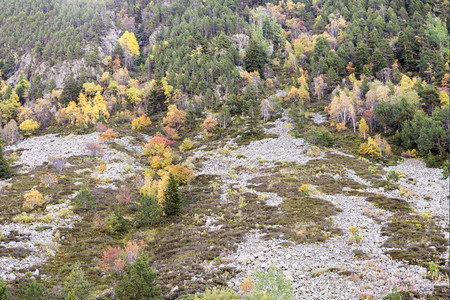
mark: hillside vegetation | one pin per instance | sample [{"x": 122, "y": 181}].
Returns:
[{"x": 224, "y": 149}]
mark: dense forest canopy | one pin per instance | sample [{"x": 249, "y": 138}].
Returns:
[{"x": 196, "y": 51}]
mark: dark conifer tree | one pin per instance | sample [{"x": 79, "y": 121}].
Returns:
[
  {"x": 255, "y": 57},
  {"x": 172, "y": 196}
]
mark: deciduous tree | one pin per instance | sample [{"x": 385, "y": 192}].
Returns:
[
  {"x": 130, "y": 46},
  {"x": 363, "y": 128}
]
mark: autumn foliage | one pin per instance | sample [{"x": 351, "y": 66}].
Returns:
[
  {"x": 174, "y": 121},
  {"x": 182, "y": 175},
  {"x": 112, "y": 261},
  {"x": 32, "y": 199},
  {"x": 94, "y": 149},
  {"x": 208, "y": 126},
  {"x": 115, "y": 258},
  {"x": 87, "y": 111},
  {"x": 29, "y": 126},
  {"x": 124, "y": 195},
  {"x": 109, "y": 134},
  {"x": 370, "y": 148},
  {"x": 49, "y": 179},
  {"x": 159, "y": 152},
  {"x": 141, "y": 122}
]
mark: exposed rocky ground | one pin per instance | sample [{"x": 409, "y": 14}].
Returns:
[
  {"x": 28, "y": 239},
  {"x": 245, "y": 212},
  {"x": 335, "y": 268}
]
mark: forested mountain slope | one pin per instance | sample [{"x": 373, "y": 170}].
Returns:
[{"x": 229, "y": 149}]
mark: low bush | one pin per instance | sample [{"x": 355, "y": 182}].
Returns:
[
  {"x": 271, "y": 285},
  {"x": 320, "y": 136}
]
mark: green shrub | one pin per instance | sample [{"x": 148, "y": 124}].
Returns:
[
  {"x": 138, "y": 282},
  {"x": 76, "y": 283},
  {"x": 431, "y": 160},
  {"x": 5, "y": 169},
  {"x": 85, "y": 198},
  {"x": 392, "y": 178},
  {"x": 34, "y": 291},
  {"x": 445, "y": 169},
  {"x": 186, "y": 145},
  {"x": 313, "y": 151},
  {"x": 394, "y": 295},
  {"x": 116, "y": 223},
  {"x": 214, "y": 294},
  {"x": 320, "y": 136},
  {"x": 149, "y": 211},
  {"x": 3, "y": 290},
  {"x": 272, "y": 285}
]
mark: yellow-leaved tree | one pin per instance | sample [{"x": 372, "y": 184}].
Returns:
[
  {"x": 175, "y": 121},
  {"x": 443, "y": 96},
  {"x": 370, "y": 148},
  {"x": 363, "y": 128},
  {"x": 141, "y": 122},
  {"x": 167, "y": 88},
  {"x": 8, "y": 107},
  {"x": 29, "y": 126},
  {"x": 87, "y": 111},
  {"x": 130, "y": 47}
]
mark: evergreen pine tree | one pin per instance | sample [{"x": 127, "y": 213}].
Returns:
[
  {"x": 8, "y": 65},
  {"x": 405, "y": 53},
  {"x": 378, "y": 61},
  {"x": 149, "y": 211},
  {"x": 76, "y": 283},
  {"x": 5, "y": 169},
  {"x": 388, "y": 54},
  {"x": 138, "y": 282},
  {"x": 85, "y": 198},
  {"x": 3, "y": 290},
  {"x": 172, "y": 196},
  {"x": 224, "y": 116},
  {"x": 332, "y": 79},
  {"x": 223, "y": 42},
  {"x": 92, "y": 57},
  {"x": 255, "y": 57},
  {"x": 71, "y": 91},
  {"x": 34, "y": 291},
  {"x": 362, "y": 56}
]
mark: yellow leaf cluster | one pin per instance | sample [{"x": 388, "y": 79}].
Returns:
[
  {"x": 298, "y": 94},
  {"x": 363, "y": 128},
  {"x": 155, "y": 187},
  {"x": 134, "y": 95},
  {"x": 29, "y": 126},
  {"x": 87, "y": 111},
  {"x": 32, "y": 199},
  {"x": 182, "y": 175},
  {"x": 129, "y": 44},
  {"x": 167, "y": 88},
  {"x": 141, "y": 122},
  {"x": 370, "y": 148},
  {"x": 25, "y": 113},
  {"x": 186, "y": 145},
  {"x": 91, "y": 88},
  {"x": 443, "y": 96},
  {"x": 159, "y": 152},
  {"x": 8, "y": 107}
]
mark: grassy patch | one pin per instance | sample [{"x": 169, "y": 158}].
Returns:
[{"x": 415, "y": 240}]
